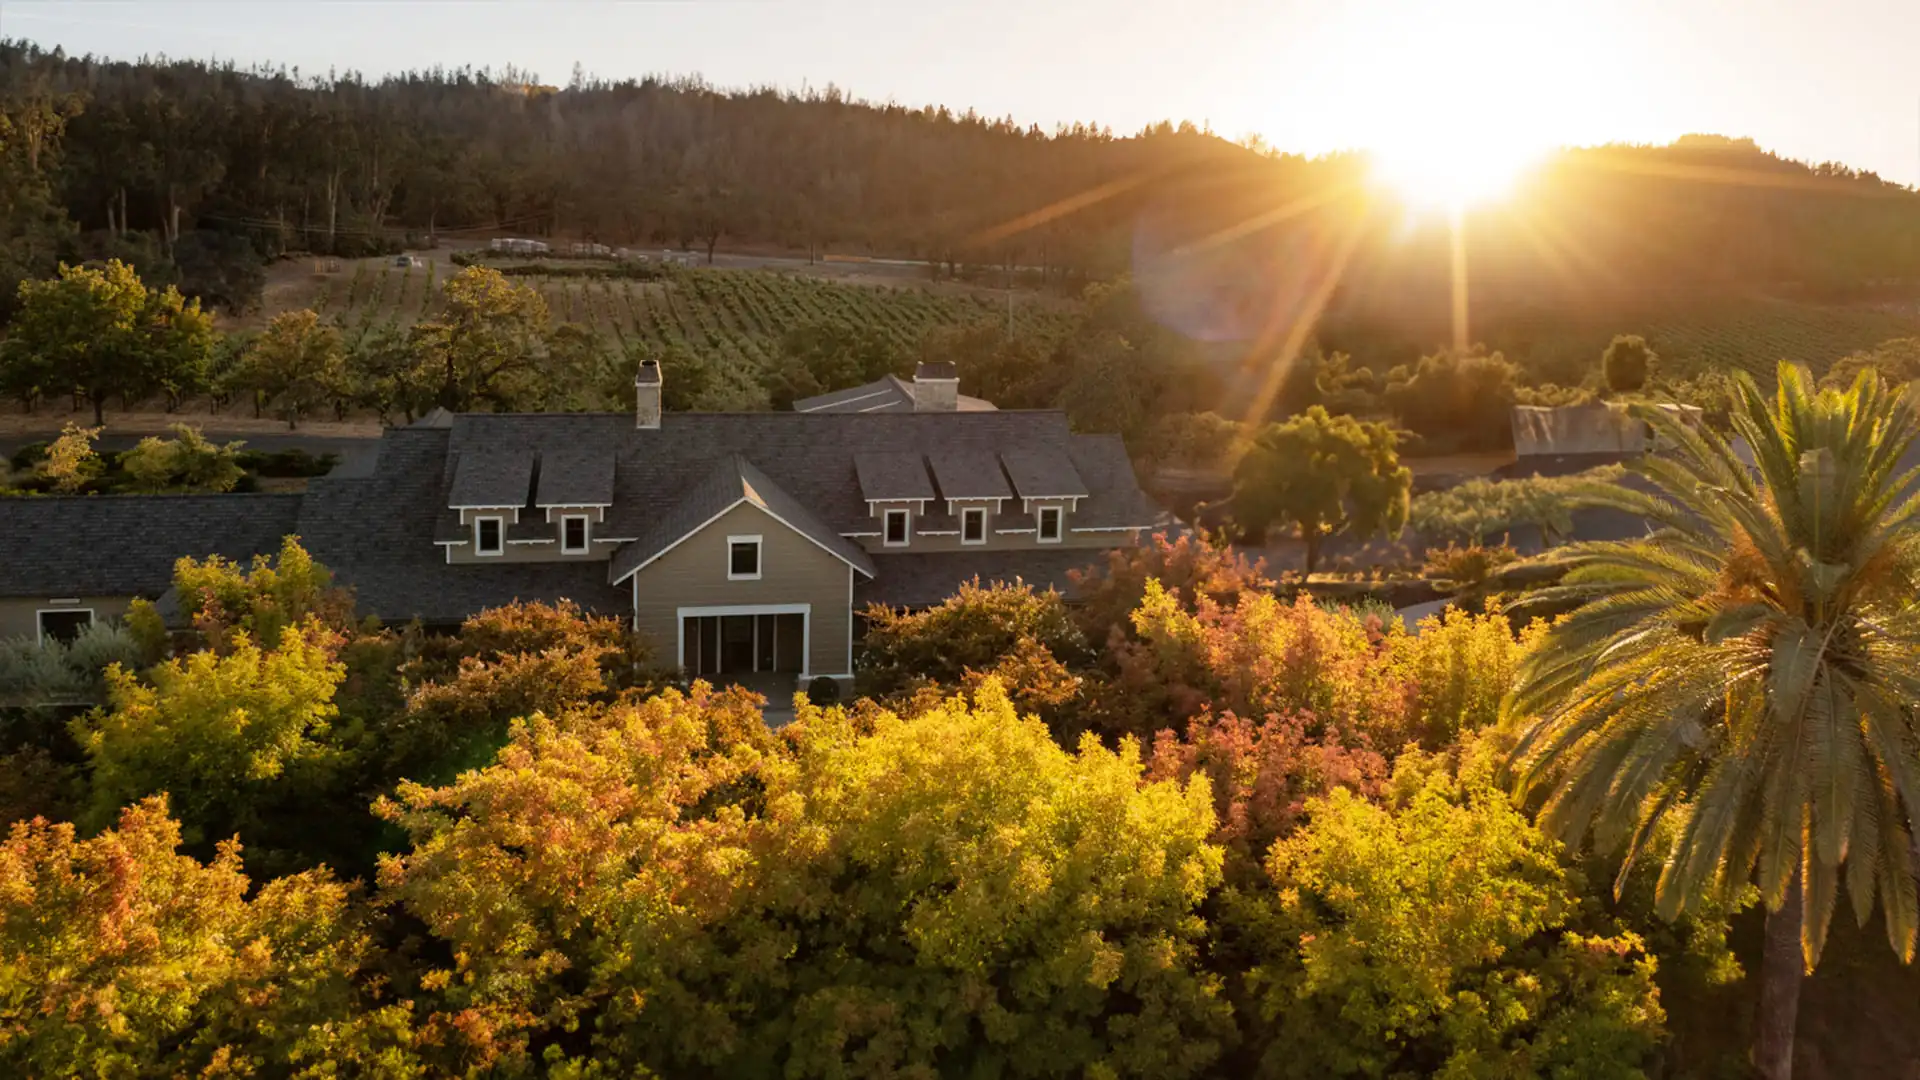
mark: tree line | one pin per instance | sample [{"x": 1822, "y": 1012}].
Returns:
[
  {"x": 200, "y": 169},
  {"x": 97, "y": 333}
]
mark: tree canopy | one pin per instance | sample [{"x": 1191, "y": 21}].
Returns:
[
  {"x": 100, "y": 332},
  {"x": 1323, "y": 475},
  {"x": 1627, "y": 364}
]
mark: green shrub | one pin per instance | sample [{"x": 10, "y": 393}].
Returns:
[
  {"x": 1438, "y": 937},
  {"x": 29, "y": 455},
  {"x": 186, "y": 462}
]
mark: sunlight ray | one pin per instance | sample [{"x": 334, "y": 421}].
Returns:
[
  {"x": 1565, "y": 258},
  {"x": 1270, "y": 218},
  {"x": 1070, "y": 205},
  {"x": 1295, "y": 334},
  {"x": 1457, "y": 274}
]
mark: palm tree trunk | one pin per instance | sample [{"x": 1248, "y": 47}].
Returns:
[{"x": 1782, "y": 967}]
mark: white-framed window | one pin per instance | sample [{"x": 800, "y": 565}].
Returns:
[
  {"x": 743, "y": 558},
  {"x": 899, "y": 528},
  {"x": 1049, "y": 524},
  {"x": 973, "y": 525},
  {"x": 62, "y": 624},
  {"x": 574, "y": 532},
  {"x": 489, "y": 535}
]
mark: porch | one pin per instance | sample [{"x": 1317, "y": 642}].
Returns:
[{"x": 765, "y": 644}]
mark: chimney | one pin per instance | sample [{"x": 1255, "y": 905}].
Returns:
[
  {"x": 936, "y": 387},
  {"x": 646, "y": 392}
]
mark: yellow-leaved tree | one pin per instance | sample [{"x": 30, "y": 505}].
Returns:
[{"x": 945, "y": 893}]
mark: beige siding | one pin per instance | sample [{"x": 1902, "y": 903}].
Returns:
[
  {"x": 548, "y": 524},
  {"x": 20, "y": 618},
  {"x": 996, "y": 540},
  {"x": 555, "y": 513},
  {"x": 514, "y": 553},
  {"x": 509, "y": 516},
  {"x": 793, "y": 570}
]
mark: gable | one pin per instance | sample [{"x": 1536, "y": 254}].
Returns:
[
  {"x": 732, "y": 482},
  {"x": 786, "y": 554}
]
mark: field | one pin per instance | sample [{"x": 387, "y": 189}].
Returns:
[
  {"x": 1752, "y": 334},
  {"x": 736, "y": 316}
]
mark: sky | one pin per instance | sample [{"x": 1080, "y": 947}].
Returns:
[{"x": 1832, "y": 80}]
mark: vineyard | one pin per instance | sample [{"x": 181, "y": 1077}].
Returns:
[
  {"x": 1751, "y": 334},
  {"x": 735, "y": 317}
]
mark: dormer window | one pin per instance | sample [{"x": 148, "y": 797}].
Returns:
[
  {"x": 899, "y": 528},
  {"x": 573, "y": 534},
  {"x": 1049, "y": 524},
  {"x": 489, "y": 536},
  {"x": 973, "y": 525}
]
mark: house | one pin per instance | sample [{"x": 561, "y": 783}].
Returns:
[
  {"x": 68, "y": 562},
  {"x": 935, "y": 388},
  {"x": 737, "y": 542}
]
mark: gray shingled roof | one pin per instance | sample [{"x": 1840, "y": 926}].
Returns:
[
  {"x": 735, "y": 480},
  {"x": 372, "y": 534},
  {"x": 923, "y": 580},
  {"x": 1114, "y": 498},
  {"x": 126, "y": 545},
  {"x": 893, "y": 475},
  {"x": 1042, "y": 472},
  {"x": 964, "y": 473},
  {"x": 573, "y": 476},
  {"x": 887, "y": 394},
  {"x": 375, "y": 532},
  {"x": 809, "y": 456},
  {"x": 491, "y": 476}
]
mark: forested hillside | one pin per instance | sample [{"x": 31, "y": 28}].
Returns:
[{"x": 342, "y": 164}]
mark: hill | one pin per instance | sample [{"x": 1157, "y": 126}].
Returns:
[
  {"x": 199, "y": 174},
  {"x": 347, "y": 166}
]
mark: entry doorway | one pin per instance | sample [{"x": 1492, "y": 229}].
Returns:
[{"x": 742, "y": 644}]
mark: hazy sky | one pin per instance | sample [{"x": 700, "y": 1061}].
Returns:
[{"x": 1813, "y": 79}]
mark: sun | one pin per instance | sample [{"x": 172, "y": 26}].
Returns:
[
  {"x": 1438, "y": 171},
  {"x": 1455, "y": 102}
]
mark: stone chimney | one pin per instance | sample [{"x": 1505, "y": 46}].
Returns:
[
  {"x": 646, "y": 392},
  {"x": 936, "y": 387}
]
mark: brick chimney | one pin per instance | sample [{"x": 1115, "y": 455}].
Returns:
[
  {"x": 646, "y": 392},
  {"x": 936, "y": 387}
]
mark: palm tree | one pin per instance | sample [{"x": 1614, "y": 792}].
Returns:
[{"x": 1739, "y": 686}]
